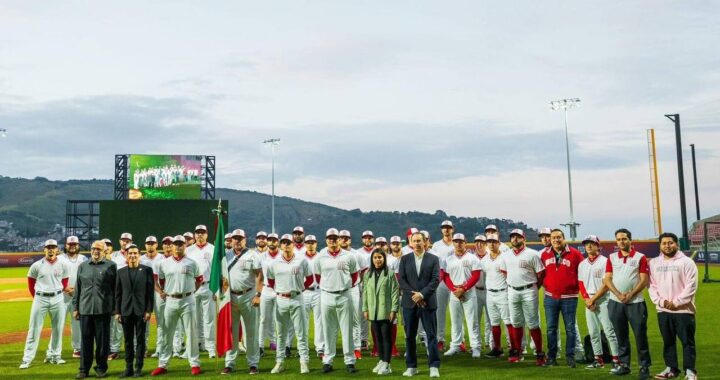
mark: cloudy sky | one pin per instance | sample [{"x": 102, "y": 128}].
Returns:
[{"x": 380, "y": 105}]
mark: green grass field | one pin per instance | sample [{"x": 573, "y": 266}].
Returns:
[{"x": 15, "y": 319}]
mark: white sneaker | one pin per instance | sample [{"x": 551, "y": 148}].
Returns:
[
  {"x": 304, "y": 367},
  {"x": 452, "y": 351},
  {"x": 155, "y": 355},
  {"x": 49, "y": 360},
  {"x": 476, "y": 354},
  {"x": 410, "y": 372},
  {"x": 386, "y": 370},
  {"x": 378, "y": 366},
  {"x": 24, "y": 365},
  {"x": 689, "y": 374},
  {"x": 434, "y": 372},
  {"x": 242, "y": 348},
  {"x": 59, "y": 361},
  {"x": 279, "y": 367}
]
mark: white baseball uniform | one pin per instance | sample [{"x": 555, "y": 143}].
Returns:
[
  {"x": 242, "y": 271},
  {"x": 311, "y": 297},
  {"x": 73, "y": 264},
  {"x": 158, "y": 306},
  {"x": 443, "y": 250},
  {"x": 360, "y": 325},
  {"x": 116, "y": 330},
  {"x": 459, "y": 269},
  {"x": 497, "y": 295},
  {"x": 590, "y": 277},
  {"x": 48, "y": 277},
  {"x": 179, "y": 277},
  {"x": 337, "y": 272},
  {"x": 204, "y": 303},
  {"x": 288, "y": 278},
  {"x": 268, "y": 303},
  {"x": 521, "y": 269}
]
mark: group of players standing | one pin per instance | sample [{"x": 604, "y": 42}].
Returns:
[{"x": 275, "y": 286}]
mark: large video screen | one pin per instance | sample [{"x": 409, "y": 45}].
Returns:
[{"x": 164, "y": 177}]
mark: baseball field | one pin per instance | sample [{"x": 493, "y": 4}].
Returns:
[{"x": 15, "y": 305}]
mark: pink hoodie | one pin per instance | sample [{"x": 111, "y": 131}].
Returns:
[{"x": 676, "y": 280}]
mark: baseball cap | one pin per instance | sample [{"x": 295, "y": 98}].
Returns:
[
  {"x": 412, "y": 230},
  {"x": 151, "y": 239},
  {"x": 544, "y": 231},
  {"x": 491, "y": 227},
  {"x": 228, "y": 236},
  {"x": 517, "y": 231},
  {"x": 480, "y": 238},
  {"x": 72, "y": 239},
  {"x": 107, "y": 241},
  {"x": 425, "y": 233},
  {"x": 367, "y": 233},
  {"x": 200, "y": 227},
  {"x": 126, "y": 235},
  {"x": 459, "y": 237},
  {"x": 189, "y": 235},
  {"x": 287, "y": 237},
  {"x": 331, "y": 232},
  {"x": 273, "y": 236},
  {"x": 261, "y": 233},
  {"x": 446, "y": 223},
  {"x": 591, "y": 239},
  {"x": 178, "y": 239},
  {"x": 131, "y": 245},
  {"x": 50, "y": 243},
  {"x": 344, "y": 233},
  {"x": 310, "y": 238},
  {"x": 238, "y": 232},
  {"x": 493, "y": 237},
  {"x": 167, "y": 238},
  {"x": 381, "y": 240},
  {"x": 298, "y": 229},
  {"x": 395, "y": 239}
]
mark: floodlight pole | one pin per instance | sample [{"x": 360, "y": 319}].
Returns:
[
  {"x": 3, "y": 132},
  {"x": 565, "y": 104},
  {"x": 273, "y": 143},
  {"x": 675, "y": 118},
  {"x": 697, "y": 200}
]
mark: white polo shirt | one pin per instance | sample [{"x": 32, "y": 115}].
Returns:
[
  {"x": 73, "y": 264},
  {"x": 460, "y": 268},
  {"x": 48, "y": 276},
  {"x": 494, "y": 278},
  {"x": 521, "y": 267},
  {"x": 626, "y": 272},
  {"x": 289, "y": 275},
  {"x": 591, "y": 273},
  {"x": 203, "y": 257},
  {"x": 242, "y": 269},
  {"x": 179, "y": 275},
  {"x": 335, "y": 270}
]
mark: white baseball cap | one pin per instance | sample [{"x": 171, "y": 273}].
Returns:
[
  {"x": 491, "y": 227},
  {"x": 287, "y": 237},
  {"x": 178, "y": 239},
  {"x": 480, "y": 238},
  {"x": 446, "y": 223},
  {"x": 298, "y": 229},
  {"x": 107, "y": 241},
  {"x": 459, "y": 237},
  {"x": 591, "y": 239},
  {"x": 238, "y": 232},
  {"x": 189, "y": 235},
  {"x": 72, "y": 239},
  {"x": 261, "y": 233},
  {"x": 368, "y": 233},
  {"x": 200, "y": 227},
  {"x": 50, "y": 243},
  {"x": 167, "y": 238},
  {"x": 310, "y": 238},
  {"x": 493, "y": 237},
  {"x": 332, "y": 232},
  {"x": 544, "y": 231},
  {"x": 426, "y": 234},
  {"x": 151, "y": 239},
  {"x": 395, "y": 239},
  {"x": 517, "y": 231},
  {"x": 228, "y": 236},
  {"x": 126, "y": 235},
  {"x": 273, "y": 236},
  {"x": 344, "y": 233},
  {"x": 381, "y": 240}
]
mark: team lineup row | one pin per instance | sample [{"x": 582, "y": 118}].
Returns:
[{"x": 274, "y": 288}]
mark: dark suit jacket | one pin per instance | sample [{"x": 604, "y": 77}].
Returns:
[
  {"x": 135, "y": 298},
  {"x": 426, "y": 282},
  {"x": 95, "y": 287}
]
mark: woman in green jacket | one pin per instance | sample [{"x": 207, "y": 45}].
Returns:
[{"x": 380, "y": 306}]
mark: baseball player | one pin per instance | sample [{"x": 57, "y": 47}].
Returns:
[
  {"x": 336, "y": 271},
  {"x": 47, "y": 279},
  {"x": 443, "y": 249},
  {"x": 150, "y": 259},
  {"x": 480, "y": 290},
  {"x": 179, "y": 279},
  {"x": 524, "y": 274},
  {"x": 116, "y": 331},
  {"x": 393, "y": 263},
  {"x": 461, "y": 272},
  {"x": 189, "y": 239},
  {"x": 364, "y": 254},
  {"x": 245, "y": 277},
  {"x": 289, "y": 276},
  {"x": 202, "y": 253},
  {"x": 228, "y": 241},
  {"x": 311, "y": 297},
  {"x": 167, "y": 251},
  {"x": 261, "y": 242},
  {"x": 108, "y": 249},
  {"x": 407, "y": 249},
  {"x": 268, "y": 299},
  {"x": 497, "y": 299},
  {"x": 363, "y": 265},
  {"x": 594, "y": 293},
  {"x": 73, "y": 259},
  {"x": 298, "y": 236},
  {"x": 492, "y": 229},
  {"x": 381, "y": 243}
]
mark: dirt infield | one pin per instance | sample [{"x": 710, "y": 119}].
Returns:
[
  {"x": 13, "y": 281},
  {"x": 13, "y": 295},
  {"x": 19, "y": 336}
]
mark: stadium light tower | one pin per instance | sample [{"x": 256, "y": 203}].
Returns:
[
  {"x": 565, "y": 104},
  {"x": 273, "y": 144},
  {"x": 3, "y": 132}
]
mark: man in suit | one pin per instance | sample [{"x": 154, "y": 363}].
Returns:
[
  {"x": 419, "y": 279},
  {"x": 134, "y": 301}
]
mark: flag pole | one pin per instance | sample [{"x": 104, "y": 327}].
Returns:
[{"x": 217, "y": 309}]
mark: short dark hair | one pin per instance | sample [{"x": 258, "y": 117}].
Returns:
[
  {"x": 558, "y": 230},
  {"x": 668, "y": 235},
  {"x": 624, "y": 231}
]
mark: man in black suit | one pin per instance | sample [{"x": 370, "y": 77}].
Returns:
[
  {"x": 419, "y": 278},
  {"x": 134, "y": 301}
]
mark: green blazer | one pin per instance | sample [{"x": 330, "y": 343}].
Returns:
[{"x": 381, "y": 295}]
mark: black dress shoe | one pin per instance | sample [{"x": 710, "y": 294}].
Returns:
[
  {"x": 327, "y": 368},
  {"x": 81, "y": 375},
  {"x": 101, "y": 374},
  {"x": 288, "y": 352},
  {"x": 137, "y": 373},
  {"x": 550, "y": 362},
  {"x": 350, "y": 368},
  {"x": 126, "y": 373},
  {"x": 570, "y": 362}
]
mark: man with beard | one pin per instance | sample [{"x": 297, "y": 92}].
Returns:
[
  {"x": 120, "y": 259},
  {"x": 268, "y": 297},
  {"x": 202, "y": 253},
  {"x": 298, "y": 236},
  {"x": 363, "y": 265},
  {"x": 673, "y": 284},
  {"x": 189, "y": 239},
  {"x": 365, "y": 254},
  {"x": 311, "y": 298},
  {"x": 73, "y": 259},
  {"x": 626, "y": 275},
  {"x": 261, "y": 242},
  {"x": 108, "y": 249},
  {"x": 381, "y": 243},
  {"x": 228, "y": 241}
]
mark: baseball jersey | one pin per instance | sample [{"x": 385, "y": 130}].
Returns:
[
  {"x": 442, "y": 250},
  {"x": 459, "y": 268},
  {"x": 626, "y": 272},
  {"x": 289, "y": 275},
  {"x": 152, "y": 263},
  {"x": 494, "y": 278},
  {"x": 521, "y": 268},
  {"x": 590, "y": 275},
  {"x": 481, "y": 282},
  {"x": 242, "y": 269},
  {"x": 393, "y": 263},
  {"x": 299, "y": 249},
  {"x": 366, "y": 257},
  {"x": 266, "y": 259},
  {"x": 335, "y": 270},
  {"x": 407, "y": 250},
  {"x": 311, "y": 264},
  {"x": 48, "y": 276},
  {"x": 179, "y": 275},
  {"x": 119, "y": 259},
  {"x": 73, "y": 264},
  {"x": 203, "y": 257}
]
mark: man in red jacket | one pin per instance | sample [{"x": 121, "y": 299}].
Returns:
[{"x": 561, "y": 293}]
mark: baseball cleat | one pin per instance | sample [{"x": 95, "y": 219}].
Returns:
[
  {"x": 158, "y": 371},
  {"x": 76, "y": 354},
  {"x": 24, "y": 365},
  {"x": 279, "y": 367},
  {"x": 452, "y": 351},
  {"x": 304, "y": 368},
  {"x": 195, "y": 371},
  {"x": 59, "y": 361}
]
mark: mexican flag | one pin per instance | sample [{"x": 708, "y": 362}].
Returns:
[{"x": 219, "y": 271}]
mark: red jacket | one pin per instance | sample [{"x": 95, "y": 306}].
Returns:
[{"x": 561, "y": 279}]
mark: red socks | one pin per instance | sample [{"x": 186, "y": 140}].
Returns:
[
  {"x": 394, "y": 335},
  {"x": 536, "y": 336},
  {"x": 496, "y": 337}
]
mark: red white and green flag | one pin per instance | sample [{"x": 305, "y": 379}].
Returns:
[{"x": 219, "y": 271}]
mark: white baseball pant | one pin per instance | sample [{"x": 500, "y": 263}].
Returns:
[
  {"x": 337, "y": 314},
  {"x": 180, "y": 310},
  {"x": 116, "y": 335},
  {"x": 481, "y": 297},
  {"x": 443, "y": 296},
  {"x": 523, "y": 306},
  {"x": 55, "y": 306},
  {"x": 75, "y": 336},
  {"x": 311, "y": 298},
  {"x": 291, "y": 312},
  {"x": 468, "y": 307},
  {"x": 499, "y": 312},
  {"x": 160, "y": 319},
  {"x": 243, "y": 312},
  {"x": 598, "y": 321},
  {"x": 357, "y": 317},
  {"x": 205, "y": 311}
]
